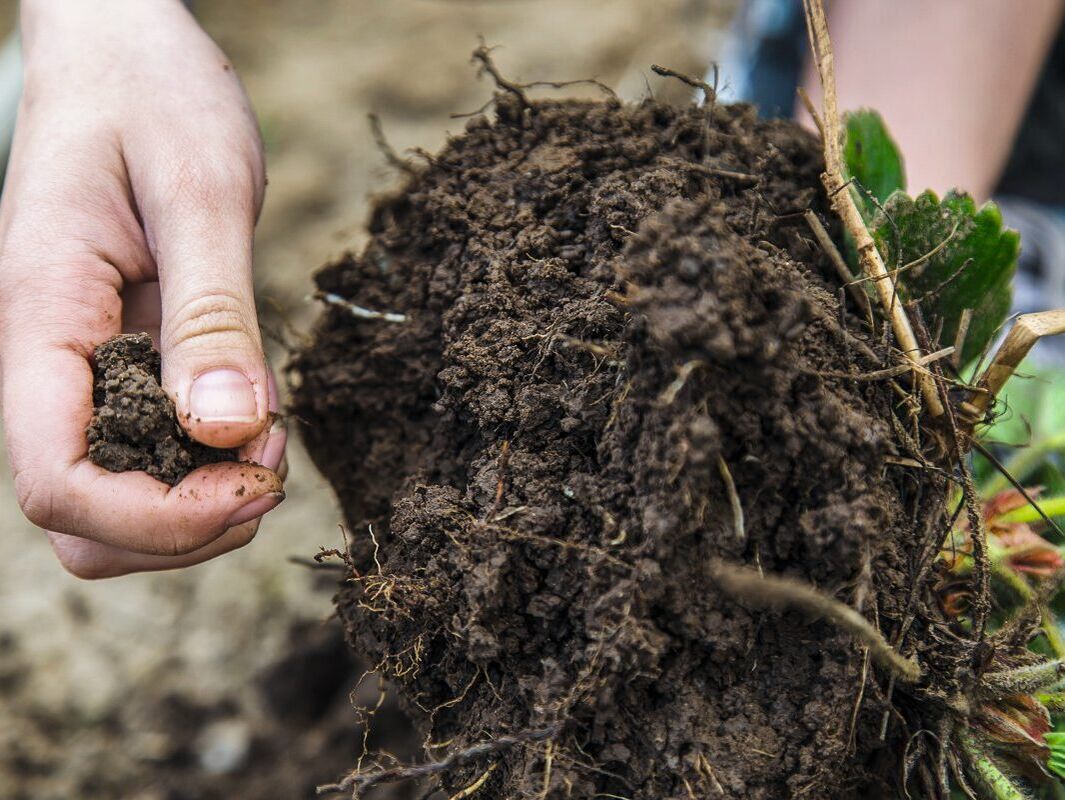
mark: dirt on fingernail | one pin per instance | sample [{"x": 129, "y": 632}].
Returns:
[{"x": 134, "y": 424}]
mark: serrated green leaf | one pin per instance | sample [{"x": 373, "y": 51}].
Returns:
[
  {"x": 872, "y": 159},
  {"x": 967, "y": 260}
]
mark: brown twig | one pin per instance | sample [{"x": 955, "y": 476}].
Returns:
[
  {"x": 695, "y": 83},
  {"x": 892, "y": 372},
  {"x": 483, "y": 54},
  {"x": 844, "y": 272}
]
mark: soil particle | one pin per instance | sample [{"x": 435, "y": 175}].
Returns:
[
  {"x": 596, "y": 322},
  {"x": 134, "y": 425}
]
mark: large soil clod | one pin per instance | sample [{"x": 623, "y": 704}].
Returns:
[
  {"x": 134, "y": 425},
  {"x": 612, "y": 333}
]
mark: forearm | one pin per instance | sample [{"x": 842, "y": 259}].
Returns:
[{"x": 951, "y": 77}]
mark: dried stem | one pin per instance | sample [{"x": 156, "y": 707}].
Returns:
[
  {"x": 843, "y": 202},
  {"x": 844, "y": 272},
  {"x": 1026, "y": 331}
]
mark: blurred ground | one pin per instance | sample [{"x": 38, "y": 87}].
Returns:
[{"x": 223, "y": 681}]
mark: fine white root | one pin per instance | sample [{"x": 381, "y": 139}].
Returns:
[
  {"x": 778, "y": 592},
  {"x": 357, "y": 310}
]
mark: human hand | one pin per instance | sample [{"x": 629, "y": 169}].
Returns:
[{"x": 130, "y": 201}]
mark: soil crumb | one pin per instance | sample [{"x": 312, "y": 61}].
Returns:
[
  {"x": 134, "y": 425},
  {"x": 605, "y": 310}
]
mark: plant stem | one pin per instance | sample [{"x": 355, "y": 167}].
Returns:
[
  {"x": 1016, "y": 582},
  {"x": 843, "y": 204},
  {"x": 1024, "y": 680},
  {"x": 984, "y": 772}
]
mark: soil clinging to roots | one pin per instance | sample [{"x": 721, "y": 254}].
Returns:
[{"x": 615, "y": 358}]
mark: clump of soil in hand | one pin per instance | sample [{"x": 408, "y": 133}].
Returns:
[
  {"x": 134, "y": 425},
  {"x": 610, "y": 313}
]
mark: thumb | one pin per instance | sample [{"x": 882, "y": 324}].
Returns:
[{"x": 213, "y": 364}]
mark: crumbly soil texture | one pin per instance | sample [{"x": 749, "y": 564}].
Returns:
[
  {"x": 609, "y": 313},
  {"x": 134, "y": 425}
]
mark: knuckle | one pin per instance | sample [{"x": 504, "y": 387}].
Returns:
[
  {"x": 217, "y": 184},
  {"x": 220, "y": 314},
  {"x": 34, "y": 498},
  {"x": 177, "y": 540}
]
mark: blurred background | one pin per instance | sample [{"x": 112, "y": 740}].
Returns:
[{"x": 228, "y": 680}]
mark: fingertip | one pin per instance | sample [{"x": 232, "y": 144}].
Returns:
[
  {"x": 137, "y": 513},
  {"x": 223, "y": 434},
  {"x": 255, "y": 508},
  {"x": 274, "y": 449},
  {"x": 89, "y": 560},
  {"x": 225, "y": 408},
  {"x": 241, "y": 480}
]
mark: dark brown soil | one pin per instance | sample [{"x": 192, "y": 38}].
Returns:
[
  {"x": 134, "y": 426},
  {"x": 604, "y": 304}
]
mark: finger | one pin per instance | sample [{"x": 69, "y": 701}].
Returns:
[
  {"x": 268, "y": 448},
  {"x": 91, "y": 560},
  {"x": 199, "y": 205},
  {"x": 141, "y": 313},
  {"x": 47, "y": 400},
  {"x": 135, "y": 512},
  {"x": 142, "y": 309}
]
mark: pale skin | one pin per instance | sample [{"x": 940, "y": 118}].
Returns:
[
  {"x": 952, "y": 79},
  {"x": 130, "y": 201},
  {"x": 131, "y": 198}
]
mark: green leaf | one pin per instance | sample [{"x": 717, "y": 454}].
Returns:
[
  {"x": 966, "y": 259},
  {"x": 872, "y": 159}
]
